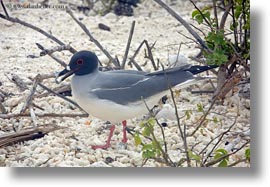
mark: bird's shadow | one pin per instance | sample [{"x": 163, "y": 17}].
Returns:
[{"x": 255, "y": 171}]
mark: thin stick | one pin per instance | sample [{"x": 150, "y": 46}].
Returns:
[
  {"x": 27, "y": 114},
  {"x": 17, "y": 20},
  {"x": 61, "y": 96},
  {"x": 32, "y": 92},
  {"x": 225, "y": 156},
  {"x": 54, "y": 49},
  {"x": 4, "y": 8},
  {"x": 27, "y": 134},
  {"x": 202, "y": 91},
  {"x": 182, "y": 134},
  {"x": 204, "y": 18},
  {"x": 92, "y": 39},
  {"x": 183, "y": 22},
  {"x": 132, "y": 59},
  {"x": 150, "y": 55},
  {"x": 216, "y": 144},
  {"x": 128, "y": 44},
  {"x": 215, "y": 13},
  {"x": 18, "y": 81},
  {"x": 62, "y": 63}
]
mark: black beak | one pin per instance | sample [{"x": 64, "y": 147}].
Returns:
[{"x": 65, "y": 74}]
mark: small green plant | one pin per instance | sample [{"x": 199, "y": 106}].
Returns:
[
  {"x": 153, "y": 149},
  {"x": 228, "y": 40},
  {"x": 219, "y": 154}
]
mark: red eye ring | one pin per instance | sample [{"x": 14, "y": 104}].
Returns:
[{"x": 80, "y": 61}]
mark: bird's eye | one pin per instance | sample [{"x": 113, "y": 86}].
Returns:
[{"x": 80, "y": 62}]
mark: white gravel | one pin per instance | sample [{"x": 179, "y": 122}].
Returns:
[{"x": 71, "y": 146}]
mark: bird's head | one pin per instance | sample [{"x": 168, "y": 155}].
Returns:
[{"x": 81, "y": 63}]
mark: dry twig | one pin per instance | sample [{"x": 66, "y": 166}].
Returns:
[
  {"x": 92, "y": 39},
  {"x": 183, "y": 22},
  {"x": 50, "y": 36},
  {"x": 62, "y": 63},
  {"x": 128, "y": 44},
  {"x": 27, "y": 134}
]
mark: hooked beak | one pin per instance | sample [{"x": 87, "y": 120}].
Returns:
[{"x": 60, "y": 76}]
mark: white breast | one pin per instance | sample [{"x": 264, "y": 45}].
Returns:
[{"x": 108, "y": 110}]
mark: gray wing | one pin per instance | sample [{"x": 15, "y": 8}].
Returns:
[{"x": 126, "y": 87}]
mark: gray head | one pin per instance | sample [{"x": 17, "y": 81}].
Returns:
[{"x": 81, "y": 63}]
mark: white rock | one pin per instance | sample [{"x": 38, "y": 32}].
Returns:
[
  {"x": 177, "y": 60},
  {"x": 99, "y": 164},
  {"x": 167, "y": 112}
]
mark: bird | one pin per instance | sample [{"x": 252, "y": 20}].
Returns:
[{"x": 118, "y": 95}]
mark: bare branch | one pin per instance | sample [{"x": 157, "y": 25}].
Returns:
[
  {"x": 59, "y": 61},
  {"x": 92, "y": 39},
  {"x": 128, "y": 44},
  {"x": 183, "y": 22},
  {"x": 27, "y": 114},
  {"x": 4, "y": 8},
  {"x": 27, "y": 134},
  {"x": 50, "y": 36},
  {"x": 54, "y": 49},
  {"x": 29, "y": 99}
]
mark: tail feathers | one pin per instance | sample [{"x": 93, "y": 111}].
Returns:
[{"x": 198, "y": 69}]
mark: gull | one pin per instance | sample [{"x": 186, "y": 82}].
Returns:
[{"x": 119, "y": 95}]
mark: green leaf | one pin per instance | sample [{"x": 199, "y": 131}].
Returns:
[
  {"x": 148, "y": 154},
  {"x": 151, "y": 121},
  {"x": 200, "y": 107},
  {"x": 247, "y": 154},
  {"x": 220, "y": 153},
  {"x": 147, "y": 146},
  {"x": 188, "y": 114},
  {"x": 215, "y": 120},
  {"x": 195, "y": 13},
  {"x": 207, "y": 16},
  {"x": 147, "y": 130},
  {"x": 194, "y": 156},
  {"x": 137, "y": 139},
  {"x": 223, "y": 163},
  {"x": 199, "y": 19}
]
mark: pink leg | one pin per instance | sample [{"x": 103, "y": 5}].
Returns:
[
  {"x": 108, "y": 142},
  {"x": 124, "y": 140}
]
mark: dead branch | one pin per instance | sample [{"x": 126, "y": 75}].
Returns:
[
  {"x": 54, "y": 49},
  {"x": 132, "y": 59},
  {"x": 150, "y": 55},
  {"x": 60, "y": 89},
  {"x": 27, "y": 114},
  {"x": 4, "y": 8},
  {"x": 215, "y": 13},
  {"x": 92, "y": 39},
  {"x": 225, "y": 15},
  {"x": 29, "y": 99},
  {"x": 50, "y": 36},
  {"x": 213, "y": 162},
  {"x": 27, "y": 134},
  {"x": 62, "y": 63},
  {"x": 183, "y": 22},
  {"x": 18, "y": 81},
  {"x": 128, "y": 44},
  {"x": 59, "y": 95},
  {"x": 220, "y": 136}
]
